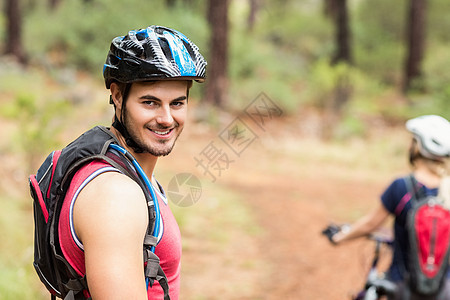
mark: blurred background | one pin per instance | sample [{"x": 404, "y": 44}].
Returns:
[{"x": 333, "y": 82}]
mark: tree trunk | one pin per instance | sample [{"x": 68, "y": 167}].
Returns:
[
  {"x": 13, "y": 40},
  {"x": 337, "y": 10},
  {"x": 170, "y": 3},
  {"x": 415, "y": 42},
  {"x": 254, "y": 7},
  {"x": 217, "y": 80},
  {"x": 53, "y": 4},
  {"x": 342, "y": 35}
]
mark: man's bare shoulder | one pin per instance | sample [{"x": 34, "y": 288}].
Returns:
[{"x": 112, "y": 203}]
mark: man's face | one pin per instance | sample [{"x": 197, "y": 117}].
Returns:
[{"x": 154, "y": 114}]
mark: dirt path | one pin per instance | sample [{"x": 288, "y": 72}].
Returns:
[
  {"x": 303, "y": 264},
  {"x": 293, "y": 192}
]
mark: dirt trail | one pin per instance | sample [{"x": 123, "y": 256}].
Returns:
[
  {"x": 304, "y": 265},
  {"x": 292, "y": 195}
]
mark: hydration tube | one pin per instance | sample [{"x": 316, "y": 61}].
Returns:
[
  {"x": 149, "y": 185},
  {"x": 152, "y": 194}
]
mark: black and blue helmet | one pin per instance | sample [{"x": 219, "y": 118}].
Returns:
[{"x": 153, "y": 53}]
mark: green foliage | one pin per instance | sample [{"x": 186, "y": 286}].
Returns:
[
  {"x": 80, "y": 34},
  {"x": 273, "y": 57},
  {"x": 17, "y": 277},
  {"x": 324, "y": 77},
  {"x": 350, "y": 126},
  {"x": 379, "y": 37},
  {"x": 301, "y": 29},
  {"x": 438, "y": 21},
  {"x": 287, "y": 43},
  {"x": 39, "y": 124},
  {"x": 437, "y": 76},
  {"x": 255, "y": 68}
]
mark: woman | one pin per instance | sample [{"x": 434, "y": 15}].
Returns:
[{"x": 428, "y": 156}]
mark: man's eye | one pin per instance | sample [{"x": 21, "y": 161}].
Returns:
[{"x": 178, "y": 103}]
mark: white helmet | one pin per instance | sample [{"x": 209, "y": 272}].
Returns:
[{"x": 433, "y": 135}]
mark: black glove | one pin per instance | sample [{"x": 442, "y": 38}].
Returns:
[{"x": 330, "y": 231}]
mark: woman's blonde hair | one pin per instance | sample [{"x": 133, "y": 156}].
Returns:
[{"x": 439, "y": 167}]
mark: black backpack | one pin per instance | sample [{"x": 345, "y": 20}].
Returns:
[
  {"x": 428, "y": 227},
  {"x": 48, "y": 188}
]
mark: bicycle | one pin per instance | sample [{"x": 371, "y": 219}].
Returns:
[{"x": 376, "y": 285}]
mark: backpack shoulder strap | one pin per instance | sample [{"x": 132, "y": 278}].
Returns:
[
  {"x": 414, "y": 188},
  {"x": 444, "y": 191}
]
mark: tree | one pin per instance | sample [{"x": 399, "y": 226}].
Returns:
[
  {"x": 415, "y": 43},
  {"x": 170, "y": 3},
  {"x": 337, "y": 10},
  {"x": 53, "y": 4},
  {"x": 217, "y": 83},
  {"x": 254, "y": 7},
  {"x": 13, "y": 38}
]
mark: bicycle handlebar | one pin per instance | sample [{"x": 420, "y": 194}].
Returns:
[
  {"x": 383, "y": 286},
  {"x": 381, "y": 238}
]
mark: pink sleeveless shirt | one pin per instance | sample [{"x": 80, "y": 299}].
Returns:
[{"x": 168, "y": 248}]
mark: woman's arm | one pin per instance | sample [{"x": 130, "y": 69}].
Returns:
[{"x": 363, "y": 226}]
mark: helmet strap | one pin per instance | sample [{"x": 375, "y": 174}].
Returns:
[
  {"x": 117, "y": 124},
  {"x": 128, "y": 139}
]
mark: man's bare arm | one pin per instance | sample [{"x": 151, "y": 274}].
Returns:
[{"x": 111, "y": 218}]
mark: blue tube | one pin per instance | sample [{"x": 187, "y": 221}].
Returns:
[{"x": 149, "y": 185}]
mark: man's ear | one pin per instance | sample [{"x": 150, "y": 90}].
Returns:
[{"x": 116, "y": 95}]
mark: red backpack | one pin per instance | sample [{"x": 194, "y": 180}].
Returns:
[{"x": 428, "y": 226}]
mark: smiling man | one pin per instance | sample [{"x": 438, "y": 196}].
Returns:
[
  {"x": 154, "y": 114},
  {"x": 104, "y": 217}
]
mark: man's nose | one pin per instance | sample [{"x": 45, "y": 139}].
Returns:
[{"x": 164, "y": 116}]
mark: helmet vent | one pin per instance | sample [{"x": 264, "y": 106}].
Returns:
[
  {"x": 188, "y": 48},
  {"x": 135, "y": 48},
  {"x": 141, "y": 35},
  {"x": 436, "y": 142},
  {"x": 166, "y": 49}
]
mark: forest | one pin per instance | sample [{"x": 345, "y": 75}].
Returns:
[{"x": 343, "y": 74}]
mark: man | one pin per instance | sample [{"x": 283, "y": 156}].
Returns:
[{"x": 104, "y": 216}]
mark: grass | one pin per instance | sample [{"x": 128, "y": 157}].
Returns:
[{"x": 17, "y": 277}]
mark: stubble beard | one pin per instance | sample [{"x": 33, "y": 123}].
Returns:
[{"x": 146, "y": 146}]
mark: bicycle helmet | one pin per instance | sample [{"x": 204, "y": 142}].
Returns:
[
  {"x": 154, "y": 53},
  {"x": 432, "y": 134}
]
